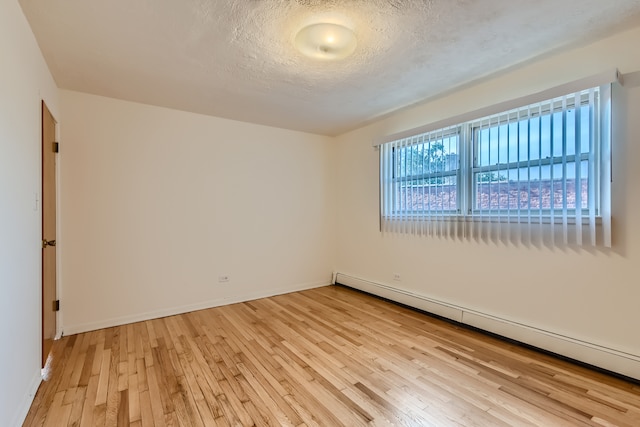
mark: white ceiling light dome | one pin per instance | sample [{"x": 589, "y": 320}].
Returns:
[{"x": 326, "y": 41}]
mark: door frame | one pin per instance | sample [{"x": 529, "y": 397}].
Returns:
[{"x": 46, "y": 305}]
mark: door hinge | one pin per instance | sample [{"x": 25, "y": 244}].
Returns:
[
  {"x": 56, "y": 305},
  {"x": 56, "y": 147}
]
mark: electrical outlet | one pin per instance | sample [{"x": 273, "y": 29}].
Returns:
[
  {"x": 396, "y": 277},
  {"x": 222, "y": 279}
]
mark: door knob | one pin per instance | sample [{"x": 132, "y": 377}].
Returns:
[{"x": 46, "y": 243}]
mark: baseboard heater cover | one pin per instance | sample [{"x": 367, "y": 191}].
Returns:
[{"x": 613, "y": 360}]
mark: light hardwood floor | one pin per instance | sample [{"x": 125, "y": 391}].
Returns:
[{"x": 329, "y": 356}]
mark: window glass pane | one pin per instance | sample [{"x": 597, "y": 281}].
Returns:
[
  {"x": 486, "y": 148},
  {"x": 583, "y": 131},
  {"x": 531, "y": 188},
  {"x": 544, "y": 138},
  {"x": 570, "y": 118},
  {"x": 500, "y": 144},
  {"x": 530, "y": 139},
  {"x": 511, "y": 154},
  {"x": 422, "y": 196},
  {"x": 427, "y": 157},
  {"x": 585, "y": 127},
  {"x": 556, "y": 133},
  {"x": 514, "y": 140},
  {"x": 425, "y": 174}
]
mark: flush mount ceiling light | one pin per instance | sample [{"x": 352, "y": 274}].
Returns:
[{"x": 326, "y": 41}]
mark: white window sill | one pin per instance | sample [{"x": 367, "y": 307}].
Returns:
[{"x": 492, "y": 218}]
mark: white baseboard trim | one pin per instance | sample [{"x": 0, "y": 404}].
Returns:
[
  {"x": 23, "y": 408},
  {"x": 613, "y": 360},
  {"x": 139, "y": 317}
]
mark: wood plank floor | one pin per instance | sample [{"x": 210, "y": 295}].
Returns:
[{"x": 330, "y": 357}]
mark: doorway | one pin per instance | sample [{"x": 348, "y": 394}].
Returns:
[{"x": 49, "y": 299}]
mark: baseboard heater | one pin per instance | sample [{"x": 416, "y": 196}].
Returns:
[{"x": 609, "y": 359}]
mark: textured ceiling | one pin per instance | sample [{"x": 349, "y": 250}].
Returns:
[{"x": 235, "y": 58}]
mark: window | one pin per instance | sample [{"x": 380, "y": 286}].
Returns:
[
  {"x": 425, "y": 174},
  {"x": 543, "y": 163},
  {"x": 537, "y": 160}
]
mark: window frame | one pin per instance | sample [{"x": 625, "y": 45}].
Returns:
[
  {"x": 466, "y": 207},
  {"x": 550, "y": 108},
  {"x": 422, "y": 139}
]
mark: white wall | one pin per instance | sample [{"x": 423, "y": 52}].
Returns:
[
  {"x": 157, "y": 203},
  {"x": 589, "y": 295},
  {"x": 24, "y": 81}
]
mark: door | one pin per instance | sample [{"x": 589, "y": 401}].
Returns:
[{"x": 48, "y": 232}]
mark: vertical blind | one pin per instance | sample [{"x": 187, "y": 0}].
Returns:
[{"x": 537, "y": 172}]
